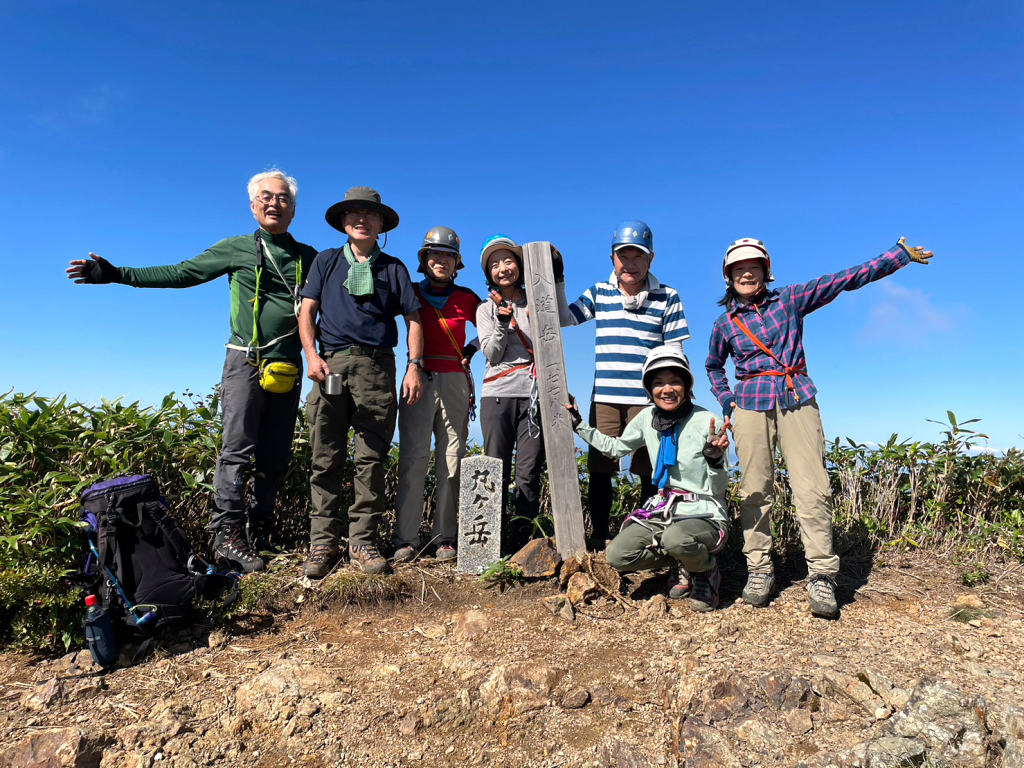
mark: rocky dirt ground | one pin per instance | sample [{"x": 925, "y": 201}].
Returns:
[{"x": 433, "y": 669}]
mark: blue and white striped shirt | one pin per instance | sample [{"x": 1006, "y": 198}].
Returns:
[{"x": 624, "y": 337}]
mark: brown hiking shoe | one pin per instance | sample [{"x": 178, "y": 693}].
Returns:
[
  {"x": 320, "y": 561},
  {"x": 368, "y": 558}
]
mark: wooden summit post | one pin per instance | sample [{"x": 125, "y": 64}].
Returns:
[{"x": 559, "y": 445}]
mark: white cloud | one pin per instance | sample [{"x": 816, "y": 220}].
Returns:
[
  {"x": 89, "y": 108},
  {"x": 910, "y": 310}
]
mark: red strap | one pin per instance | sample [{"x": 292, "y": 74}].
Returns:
[
  {"x": 787, "y": 370},
  {"x": 521, "y": 335},
  {"x": 507, "y": 372}
]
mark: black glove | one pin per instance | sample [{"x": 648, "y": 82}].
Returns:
[
  {"x": 505, "y": 319},
  {"x": 99, "y": 271},
  {"x": 574, "y": 413},
  {"x": 713, "y": 452},
  {"x": 557, "y": 265}
]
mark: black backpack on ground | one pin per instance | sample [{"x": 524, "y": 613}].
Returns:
[{"x": 140, "y": 565}]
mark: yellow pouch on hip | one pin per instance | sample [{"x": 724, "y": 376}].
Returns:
[{"x": 278, "y": 377}]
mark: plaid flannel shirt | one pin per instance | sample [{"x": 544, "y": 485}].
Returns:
[{"x": 778, "y": 321}]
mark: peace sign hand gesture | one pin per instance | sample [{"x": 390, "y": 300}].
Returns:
[{"x": 718, "y": 442}]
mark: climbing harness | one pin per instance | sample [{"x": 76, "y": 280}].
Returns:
[
  {"x": 663, "y": 509},
  {"x": 788, "y": 370},
  {"x": 461, "y": 356}
]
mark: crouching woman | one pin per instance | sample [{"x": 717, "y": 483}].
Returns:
[{"x": 684, "y": 524}]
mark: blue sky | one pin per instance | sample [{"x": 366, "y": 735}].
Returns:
[{"x": 827, "y": 130}]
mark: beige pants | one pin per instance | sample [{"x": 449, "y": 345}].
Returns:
[
  {"x": 799, "y": 434},
  {"x": 442, "y": 412}
]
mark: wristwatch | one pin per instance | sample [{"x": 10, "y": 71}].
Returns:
[{"x": 417, "y": 361}]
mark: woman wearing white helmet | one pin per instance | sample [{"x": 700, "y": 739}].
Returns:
[
  {"x": 774, "y": 404},
  {"x": 509, "y": 416},
  {"x": 685, "y": 523}
]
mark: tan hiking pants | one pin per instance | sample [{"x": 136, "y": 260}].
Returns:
[
  {"x": 798, "y": 432},
  {"x": 442, "y": 412}
]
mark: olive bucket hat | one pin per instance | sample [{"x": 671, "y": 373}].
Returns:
[{"x": 361, "y": 198}]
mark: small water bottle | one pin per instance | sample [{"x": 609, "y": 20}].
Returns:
[{"x": 99, "y": 634}]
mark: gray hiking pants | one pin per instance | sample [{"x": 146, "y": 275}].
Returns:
[{"x": 257, "y": 437}]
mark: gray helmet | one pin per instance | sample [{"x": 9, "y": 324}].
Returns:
[{"x": 440, "y": 239}]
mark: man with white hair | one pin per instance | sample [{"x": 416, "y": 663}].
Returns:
[{"x": 260, "y": 388}]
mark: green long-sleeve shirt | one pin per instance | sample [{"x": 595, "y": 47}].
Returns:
[{"x": 236, "y": 258}]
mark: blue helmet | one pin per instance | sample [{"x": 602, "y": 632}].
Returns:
[{"x": 635, "y": 233}]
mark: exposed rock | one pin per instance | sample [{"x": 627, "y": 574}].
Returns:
[
  {"x": 279, "y": 688},
  {"x": 580, "y": 587},
  {"x": 41, "y": 697},
  {"x": 603, "y": 695},
  {"x": 576, "y": 699},
  {"x": 727, "y": 698},
  {"x": 559, "y": 605},
  {"x": 618, "y": 754},
  {"x": 654, "y": 608},
  {"x": 519, "y": 687},
  {"x": 851, "y": 689},
  {"x": 471, "y": 624},
  {"x": 786, "y": 691},
  {"x": 538, "y": 560},
  {"x": 894, "y": 752},
  {"x": 1013, "y": 732},
  {"x": 755, "y": 732},
  {"x": 799, "y": 721},
  {"x": 569, "y": 567},
  {"x": 59, "y": 748},
  {"x": 152, "y": 732},
  {"x": 410, "y": 723},
  {"x": 704, "y": 747},
  {"x": 950, "y": 726}
]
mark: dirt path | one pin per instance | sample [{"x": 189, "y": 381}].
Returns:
[{"x": 456, "y": 674}]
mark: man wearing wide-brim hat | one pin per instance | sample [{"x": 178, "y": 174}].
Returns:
[{"x": 350, "y": 302}]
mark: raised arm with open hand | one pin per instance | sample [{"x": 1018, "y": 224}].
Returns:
[
  {"x": 99, "y": 271},
  {"x": 917, "y": 253}
]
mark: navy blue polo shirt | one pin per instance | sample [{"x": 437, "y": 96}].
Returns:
[{"x": 365, "y": 320}]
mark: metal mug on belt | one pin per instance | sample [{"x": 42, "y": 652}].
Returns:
[{"x": 332, "y": 384}]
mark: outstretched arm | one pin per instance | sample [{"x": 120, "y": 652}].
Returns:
[
  {"x": 98, "y": 271},
  {"x": 614, "y": 447},
  {"x": 817, "y": 293}
]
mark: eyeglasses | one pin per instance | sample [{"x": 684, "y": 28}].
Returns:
[{"x": 267, "y": 198}]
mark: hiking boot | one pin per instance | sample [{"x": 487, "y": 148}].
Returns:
[
  {"x": 405, "y": 554},
  {"x": 320, "y": 561},
  {"x": 704, "y": 593},
  {"x": 368, "y": 558},
  {"x": 679, "y": 583},
  {"x": 231, "y": 546},
  {"x": 821, "y": 593},
  {"x": 263, "y": 538},
  {"x": 759, "y": 588},
  {"x": 445, "y": 552}
]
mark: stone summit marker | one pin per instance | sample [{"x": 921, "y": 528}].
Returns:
[
  {"x": 480, "y": 492},
  {"x": 559, "y": 440}
]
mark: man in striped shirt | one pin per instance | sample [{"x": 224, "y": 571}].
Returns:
[{"x": 634, "y": 313}]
